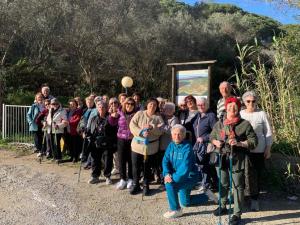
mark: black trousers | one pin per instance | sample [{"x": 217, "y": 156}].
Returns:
[
  {"x": 53, "y": 147},
  {"x": 124, "y": 157},
  {"x": 253, "y": 174},
  {"x": 158, "y": 165},
  {"x": 139, "y": 164},
  {"x": 38, "y": 139},
  {"x": 96, "y": 156},
  {"x": 75, "y": 146}
]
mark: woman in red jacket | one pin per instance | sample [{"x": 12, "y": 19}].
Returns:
[{"x": 75, "y": 140}]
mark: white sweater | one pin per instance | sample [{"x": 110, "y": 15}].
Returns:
[{"x": 262, "y": 128}]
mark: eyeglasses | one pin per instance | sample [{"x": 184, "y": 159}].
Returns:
[
  {"x": 114, "y": 103},
  {"x": 249, "y": 101},
  {"x": 130, "y": 103}
]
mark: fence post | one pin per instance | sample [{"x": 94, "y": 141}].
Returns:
[{"x": 3, "y": 121}]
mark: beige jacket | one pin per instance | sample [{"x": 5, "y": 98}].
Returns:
[
  {"x": 139, "y": 120},
  {"x": 59, "y": 118}
]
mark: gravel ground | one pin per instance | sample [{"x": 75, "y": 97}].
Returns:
[{"x": 48, "y": 194}]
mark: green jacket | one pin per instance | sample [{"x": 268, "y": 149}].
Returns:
[{"x": 243, "y": 131}]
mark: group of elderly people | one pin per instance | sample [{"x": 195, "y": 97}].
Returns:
[{"x": 176, "y": 147}]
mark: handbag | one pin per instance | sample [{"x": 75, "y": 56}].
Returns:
[
  {"x": 101, "y": 142},
  {"x": 200, "y": 152},
  {"x": 214, "y": 158}
]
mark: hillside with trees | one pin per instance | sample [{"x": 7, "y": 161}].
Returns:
[{"x": 83, "y": 46}]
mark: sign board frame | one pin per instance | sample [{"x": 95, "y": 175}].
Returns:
[{"x": 199, "y": 65}]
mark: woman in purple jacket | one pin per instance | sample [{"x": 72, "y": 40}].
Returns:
[{"x": 124, "y": 143}]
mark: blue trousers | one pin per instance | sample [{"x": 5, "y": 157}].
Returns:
[{"x": 179, "y": 194}]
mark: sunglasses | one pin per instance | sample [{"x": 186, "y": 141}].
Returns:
[
  {"x": 249, "y": 101},
  {"x": 114, "y": 103},
  {"x": 130, "y": 103}
]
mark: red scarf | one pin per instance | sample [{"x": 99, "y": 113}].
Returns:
[{"x": 227, "y": 131}]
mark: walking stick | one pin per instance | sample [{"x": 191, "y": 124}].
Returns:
[
  {"x": 230, "y": 183},
  {"x": 43, "y": 143},
  {"x": 55, "y": 143},
  {"x": 219, "y": 184},
  {"x": 145, "y": 159},
  {"x": 82, "y": 151}
]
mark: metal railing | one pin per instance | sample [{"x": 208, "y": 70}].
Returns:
[{"x": 14, "y": 124}]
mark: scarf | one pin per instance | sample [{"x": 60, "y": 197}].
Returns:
[{"x": 227, "y": 131}]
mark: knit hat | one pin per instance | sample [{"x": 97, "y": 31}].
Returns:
[{"x": 235, "y": 100}]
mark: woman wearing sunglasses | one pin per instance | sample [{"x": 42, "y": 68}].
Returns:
[
  {"x": 124, "y": 143},
  {"x": 259, "y": 121}
]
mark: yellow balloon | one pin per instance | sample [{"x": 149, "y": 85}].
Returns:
[{"x": 127, "y": 82}]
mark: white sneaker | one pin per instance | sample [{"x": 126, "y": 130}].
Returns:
[
  {"x": 211, "y": 195},
  {"x": 108, "y": 181},
  {"x": 129, "y": 184},
  {"x": 114, "y": 171},
  {"x": 254, "y": 205},
  {"x": 121, "y": 184},
  {"x": 39, "y": 155},
  {"x": 173, "y": 214}
]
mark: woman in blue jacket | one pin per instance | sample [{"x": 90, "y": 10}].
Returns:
[
  {"x": 33, "y": 112},
  {"x": 180, "y": 173}
]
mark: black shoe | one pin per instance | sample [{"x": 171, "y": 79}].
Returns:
[
  {"x": 146, "y": 190},
  {"x": 235, "y": 220},
  {"x": 221, "y": 212},
  {"x": 136, "y": 189}
]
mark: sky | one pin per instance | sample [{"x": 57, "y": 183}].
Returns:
[{"x": 281, "y": 13}]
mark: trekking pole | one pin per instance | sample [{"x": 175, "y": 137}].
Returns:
[
  {"x": 145, "y": 159},
  {"x": 55, "y": 143},
  {"x": 82, "y": 152},
  {"x": 43, "y": 143},
  {"x": 230, "y": 184},
  {"x": 219, "y": 184}
]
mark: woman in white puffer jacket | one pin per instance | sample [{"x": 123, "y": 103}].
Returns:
[{"x": 55, "y": 123}]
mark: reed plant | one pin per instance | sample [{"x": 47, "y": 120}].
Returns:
[{"x": 274, "y": 77}]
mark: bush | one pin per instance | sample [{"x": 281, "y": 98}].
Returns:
[{"x": 20, "y": 97}]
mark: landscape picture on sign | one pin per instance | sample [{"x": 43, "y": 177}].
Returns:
[{"x": 192, "y": 82}]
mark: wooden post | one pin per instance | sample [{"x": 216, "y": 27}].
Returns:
[
  {"x": 173, "y": 94},
  {"x": 209, "y": 86}
]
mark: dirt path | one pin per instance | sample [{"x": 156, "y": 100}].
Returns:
[{"x": 48, "y": 194}]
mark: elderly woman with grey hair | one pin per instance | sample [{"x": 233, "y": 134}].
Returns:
[
  {"x": 259, "y": 121},
  {"x": 203, "y": 126},
  {"x": 180, "y": 173},
  {"x": 100, "y": 132}
]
